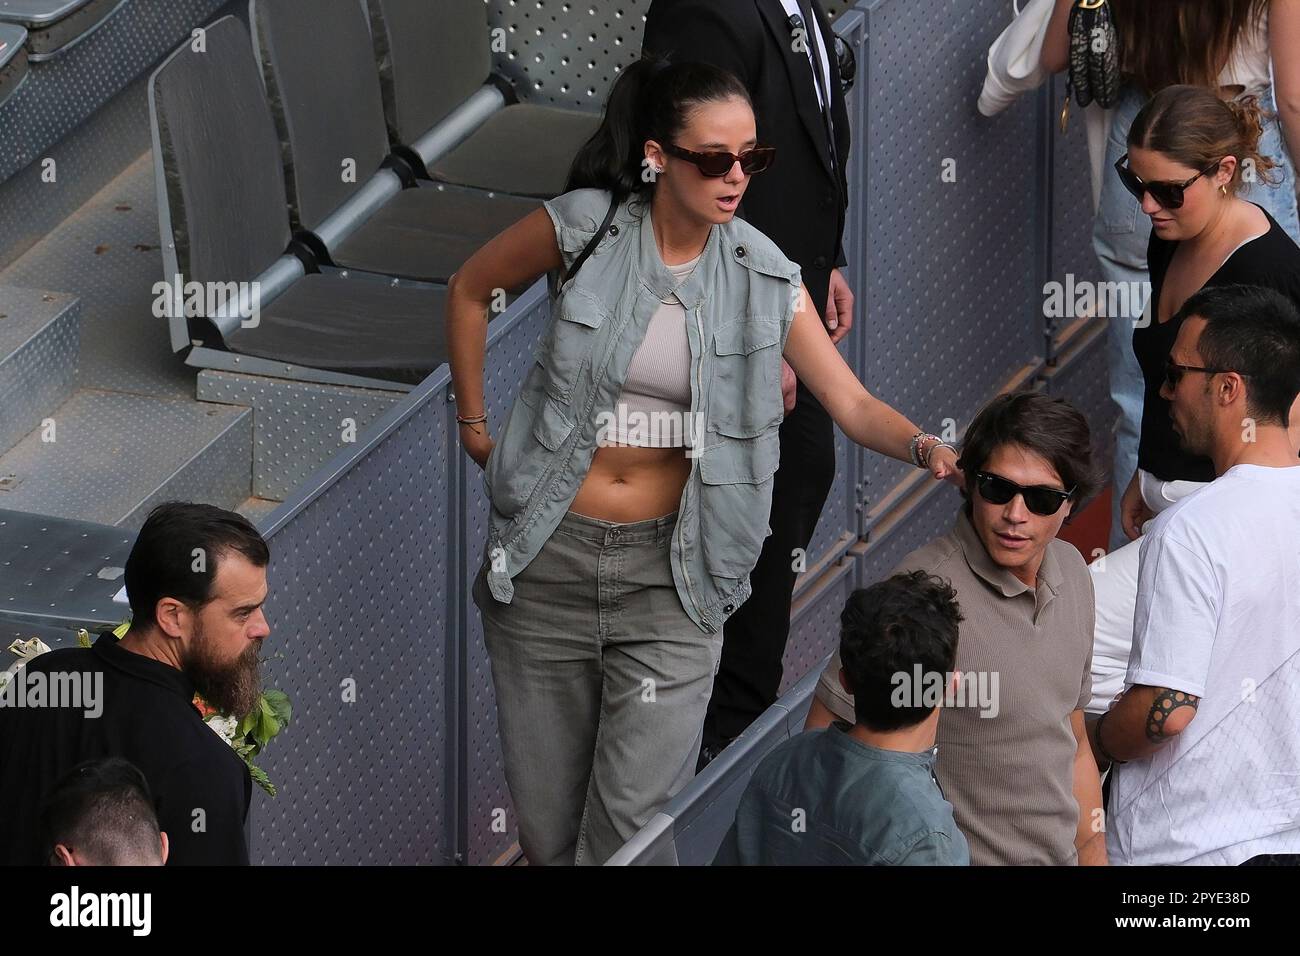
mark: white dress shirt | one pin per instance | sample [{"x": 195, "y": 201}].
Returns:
[{"x": 791, "y": 8}]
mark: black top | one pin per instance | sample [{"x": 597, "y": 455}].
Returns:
[
  {"x": 1271, "y": 261},
  {"x": 147, "y": 716}
]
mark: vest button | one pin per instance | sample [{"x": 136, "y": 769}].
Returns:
[
  {"x": 729, "y": 608},
  {"x": 740, "y": 252},
  {"x": 613, "y": 230}
]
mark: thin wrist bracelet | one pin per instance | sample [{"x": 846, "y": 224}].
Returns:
[
  {"x": 935, "y": 447},
  {"x": 471, "y": 419}
]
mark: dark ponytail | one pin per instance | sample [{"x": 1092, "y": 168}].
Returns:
[{"x": 653, "y": 99}]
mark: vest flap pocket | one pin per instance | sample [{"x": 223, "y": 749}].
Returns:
[
  {"x": 736, "y": 461},
  {"x": 551, "y": 427},
  {"x": 581, "y": 307},
  {"x": 747, "y": 335}
]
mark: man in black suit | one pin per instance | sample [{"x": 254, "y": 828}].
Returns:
[{"x": 800, "y": 203}]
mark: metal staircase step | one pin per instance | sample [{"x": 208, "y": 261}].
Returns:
[
  {"x": 39, "y": 335},
  {"x": 58, "y": 574},
  {"x": 109, "y": 457}
]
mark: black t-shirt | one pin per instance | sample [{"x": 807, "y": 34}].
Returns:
[
  {"x": 147, "y": 716},
  {"x": 1271, "y": 261}
]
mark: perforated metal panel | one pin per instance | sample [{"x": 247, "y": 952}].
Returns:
[
  {"x": 359, "y": 591},
  {"x": 569, "y": 52},
  {"x": 61, "y": 93},
  {"x": 86, "y": 159},
  {"x": 297, "y": 426},
  {"x": 60, "y": 573},
  {"x": 114, "y": 455},
  {"x": 952, "y": 309},
  {"x": 933, "y": 516},
  {"x": 1072, "y": 210},
  {"x": 815, "y": 624},
  {"x": 1081, "y": 377},
  {"x": 509, "y": 358},
  {"x": 39, "y": 335}
]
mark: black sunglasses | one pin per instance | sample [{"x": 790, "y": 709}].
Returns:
[
  {"x": 1174, "y": 372},
  {"x": 1168, "y": 194},
  {"x": 718, "y": 164},
  {"x": 1039, "y": 499}
]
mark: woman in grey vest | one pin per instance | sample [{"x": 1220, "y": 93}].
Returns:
[{"x": 631, "y": 484}]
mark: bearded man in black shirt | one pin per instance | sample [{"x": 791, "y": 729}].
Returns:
[{"x": 196, "y": 580}]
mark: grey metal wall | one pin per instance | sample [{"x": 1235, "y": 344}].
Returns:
[
  {"x": 949, "y": 281},
  {"x": 361, "y": 580}
]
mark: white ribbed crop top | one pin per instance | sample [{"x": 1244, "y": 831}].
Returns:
[{"x": 656, "y": 399}]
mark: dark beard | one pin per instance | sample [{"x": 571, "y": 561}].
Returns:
[{"x": 232, "y": 688}]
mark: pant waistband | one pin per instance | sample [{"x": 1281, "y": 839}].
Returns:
[{"x": 602, "y": 532}]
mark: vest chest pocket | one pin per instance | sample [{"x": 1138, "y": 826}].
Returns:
[
  {"x": 745, "y": 395},
  {"x": 567, "y": 347},
  {"x": 735, "y": 501}
]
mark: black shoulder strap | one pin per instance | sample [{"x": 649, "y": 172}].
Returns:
[{"x": 595, "y": 241}]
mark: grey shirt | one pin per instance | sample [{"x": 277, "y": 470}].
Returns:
[
  {"x": 1026, "y": 659},
  {"x": 825, "y": 798}
]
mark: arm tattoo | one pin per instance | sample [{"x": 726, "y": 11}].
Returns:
[{"x": 1166, "y": 702}]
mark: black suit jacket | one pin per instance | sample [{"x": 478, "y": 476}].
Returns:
[{"x": 800, "y": 202}]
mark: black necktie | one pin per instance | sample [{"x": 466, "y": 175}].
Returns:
[{"x": 813, "y": 32}]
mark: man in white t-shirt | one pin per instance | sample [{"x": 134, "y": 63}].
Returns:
[{"x": 1206, "y": 737}]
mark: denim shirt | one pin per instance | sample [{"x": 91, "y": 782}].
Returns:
[
  {"x": 825, "y": 798},
  {"x": 740, "y": 302}
]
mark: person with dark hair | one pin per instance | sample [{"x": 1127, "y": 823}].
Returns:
[
  {"x": 1188, "y": 153},
  {"x": 862, "y": 792},
  {"x": 1246, "y": 52},
  {"x": 785, "y": 54},
  {"x": 1204, "y": 734},
  {"x": 196, "y": 580},
  {"x": 101, "y": 814},
  {"x": 631, "y": 483},
  {"x": 1013, "y": 756}
]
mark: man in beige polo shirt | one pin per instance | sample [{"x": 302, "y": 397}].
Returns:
[{"x": 1013, "y": 756}]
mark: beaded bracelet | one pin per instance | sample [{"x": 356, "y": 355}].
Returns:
[{"x": 913, "y": 447}]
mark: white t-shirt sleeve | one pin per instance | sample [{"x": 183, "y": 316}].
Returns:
[{"x": 1177, "y": 615}]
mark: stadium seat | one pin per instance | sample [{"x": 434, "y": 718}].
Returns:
[
  {"x": 222, "y": 212},
  {"x": 431, "y": 63},
  {"x": 56, "y": 25},
  {"x": 323, "y": 87},
  {"x": 13, "y": 59}
]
